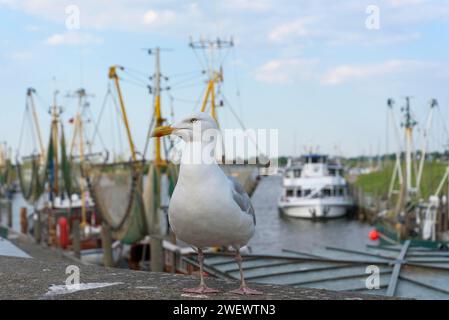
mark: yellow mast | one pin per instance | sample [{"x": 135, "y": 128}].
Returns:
[
  {"x": 159, "y": 162},
  {"x": 210, "y": 91},
  {"x": 113, "y": 75}
]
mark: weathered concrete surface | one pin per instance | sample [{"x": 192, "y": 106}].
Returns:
[{"x": 22, "y": 278}]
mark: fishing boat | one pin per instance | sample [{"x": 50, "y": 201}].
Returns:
[
  {"x": 315, "y": 188},
  {"x": 411, "y": 214},
  {"x": 50, "y": 178}
]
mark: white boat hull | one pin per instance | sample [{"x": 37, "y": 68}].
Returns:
[{"x": 316, "y": 209}]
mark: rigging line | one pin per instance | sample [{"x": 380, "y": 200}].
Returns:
[
  {"x": 172, "y": 110},
  {"x": 237, "y": 82},
  {"x": 181, "y": 74},
  {"x": 225, "y": 55},
  {"x": 186, "y": 80},
  {"x": 186, "y": 86},
  {"x": 92, "y": 119},
  {"x": 22, "y": 127},
  {"x": 135, "y": 77},
  {"x": 240, "y": 122},
  {"x": 198, "y": 100},
  {"x": 184, "y": 100},
  {"x": 203, "y": 66},
  {"x": 148, "y": 138},
  {"x": 142, "y": 85},
  {"x": 44, "y": 103},
  {"x": 97, "y": 123},
  {"x": 118, "y": 112},
  {"x": 445, "y": 128},
  {"x": 31, "y": 124},
  {"x": 208, "y": 61},
  {"x": 136, "y": 71}
]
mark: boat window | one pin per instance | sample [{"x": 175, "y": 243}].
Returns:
[
  {"x": 327, "y": 192},
  {"x": 332, "y": 172},
  {"x": 299, "y": 193},
  {"x": 289, "y": 174},
  {"x": 297, "y": 173},
  {"x": 289, "y": 192},
  {"x": 307, "y": 192}
]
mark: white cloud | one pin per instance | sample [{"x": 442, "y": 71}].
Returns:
[
  {"x": 20, "y": 55},
  {"x": 72, "y": 38},
  {"x": 347, "y": 73},
  {"x": 248, "y": 5},
  {"x": 285, "y": 71},
  {"x": 400, "y": 3},
  {"x": 155, "y": 17},
  {"x": 292, "y": 29}
]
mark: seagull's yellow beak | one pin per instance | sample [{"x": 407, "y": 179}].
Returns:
[{"x": 162, "y": 131}]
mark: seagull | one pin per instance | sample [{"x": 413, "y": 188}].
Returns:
[{"x": 208, "y": 208}]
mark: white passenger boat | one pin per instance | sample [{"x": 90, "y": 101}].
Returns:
[{"x": 315, "y": 188}]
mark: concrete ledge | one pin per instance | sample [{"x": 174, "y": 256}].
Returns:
[{"x": 22, "y": 278}]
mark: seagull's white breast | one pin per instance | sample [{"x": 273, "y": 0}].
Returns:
[{"x": 202, "y": 211}]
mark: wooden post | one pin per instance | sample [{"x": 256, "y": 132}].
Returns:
[
  {"x": 76, "y": 238},
  {"x": 37, "y": 226},
  {"x": 23, "y": 220},
  {"x": 174, "y": 256},
  {"x": 106, "y": 240},
  {"x": 9, "y": 208},
  {"x": 157, "y": 254}
]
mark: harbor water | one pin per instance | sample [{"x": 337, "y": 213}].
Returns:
[{"x": 275, "y": 232}]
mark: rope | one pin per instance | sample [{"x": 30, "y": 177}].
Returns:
[{"x": 99, "y": 118}]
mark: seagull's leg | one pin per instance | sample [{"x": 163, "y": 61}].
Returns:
[
  {"x": 202, "y": 288},
  {"x": 244, "y": 289}
]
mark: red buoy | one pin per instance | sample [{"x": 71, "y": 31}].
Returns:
[
  {"x": 63, "y": 232},
  {"x": 373, "y": 235}
]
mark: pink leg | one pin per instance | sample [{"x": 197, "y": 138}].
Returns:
[
  {"x": 202, "y": 288},
  {"x": 244, "y": 289}
]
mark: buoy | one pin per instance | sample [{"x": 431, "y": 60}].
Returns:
[
  {"x": 63, "y": 232},
  {"x": 373, "y": 234}
]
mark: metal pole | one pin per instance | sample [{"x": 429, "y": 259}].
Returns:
[
  {"x": 9, "y": 208},
  {"x": 157, "y": 254},
  {"x": 37, "y": 226},
  {"x": 76, "y": 238},
  {"x": 23, "y": 220}
]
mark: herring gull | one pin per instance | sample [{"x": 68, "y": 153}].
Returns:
[{"x": 207, "y": 207}]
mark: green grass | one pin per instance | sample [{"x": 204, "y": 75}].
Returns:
[{"x": 377, "y": 183}]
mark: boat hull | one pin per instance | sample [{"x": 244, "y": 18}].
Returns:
[{"x": 317, "y": 209}]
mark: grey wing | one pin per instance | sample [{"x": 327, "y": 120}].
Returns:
[{"x": 241, "y": 198}]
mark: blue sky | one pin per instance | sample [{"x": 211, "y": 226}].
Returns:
[{"x": 309, "y": 68}]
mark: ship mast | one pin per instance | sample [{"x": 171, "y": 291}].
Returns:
[
  {"x": 78, "y": 134},
  {"x": 30, "y": 92},
  {"x": 215, "y": 76},
  {"x": 159, "y": 162},
  {"x": 55, "y": 112},
  {"x": 408, "y": 124}
]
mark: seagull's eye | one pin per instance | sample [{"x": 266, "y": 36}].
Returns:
[{"x": 193, "y": 120}]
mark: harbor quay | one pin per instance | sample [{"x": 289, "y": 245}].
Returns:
[{"x": 46, "y": 273}]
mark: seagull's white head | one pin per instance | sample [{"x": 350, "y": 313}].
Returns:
[{"x": 190, "y": 128}]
